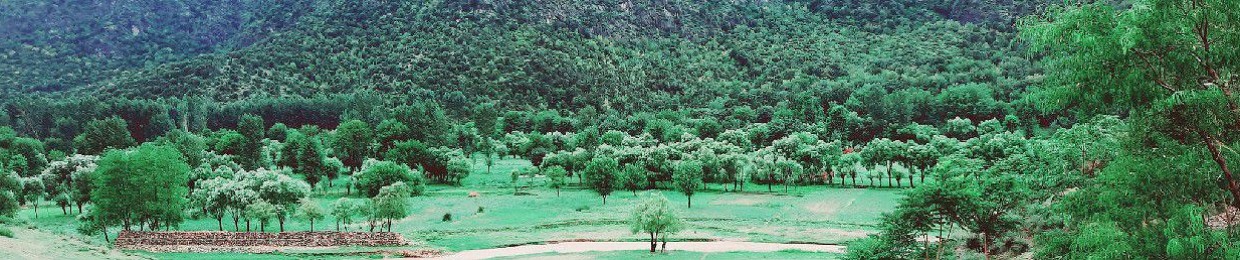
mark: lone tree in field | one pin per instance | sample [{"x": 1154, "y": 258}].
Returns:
[
  {"x": 310, "y": 210},
  {"x": 654, "y": 217},
  {"x": 1172, "y": 65},
  {"x": 688, "y": 178},
  {"x": 601, "y": 176}
]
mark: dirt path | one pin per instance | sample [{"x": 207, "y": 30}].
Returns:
[
  {"x": 35, "y": 244},
  {"x": 578, "y": 247}
]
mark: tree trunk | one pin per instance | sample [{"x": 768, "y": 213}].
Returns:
[
  {"x": 311, "y": 225},
  {"x": 1232, "y": 186},
  {"x": 281, "y": 224},
  {"x": 604, "y": 199},
  {"x": 690, "y": 199},
  {"x": 653, "y": 243},
  {"x": 889, "y": 174},
  {"x": 986, "y": 245},
  {"x": 105, "y": 234},
  {"x": 220, "y": 220}
]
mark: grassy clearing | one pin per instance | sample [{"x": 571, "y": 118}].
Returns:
[
  {"x": 683, "y": 255},
  {"x": 816, "y": 214}
]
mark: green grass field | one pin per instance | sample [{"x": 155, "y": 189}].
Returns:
[{"x": 805, "y": 214}]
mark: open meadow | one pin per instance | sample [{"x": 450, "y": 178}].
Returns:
[{"x": 498, "y": 218}]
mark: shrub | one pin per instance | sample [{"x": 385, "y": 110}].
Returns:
[
  {"x": 6, "y": 232},
  {"x": 447, "y": 217}
]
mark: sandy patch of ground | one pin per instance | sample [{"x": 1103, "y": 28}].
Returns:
[
  {"x": 828, "y": 207},
  {"x": 741, "y": 201},
  {"x": 34, "y": 244},
  {"x": 579, "y": 247}
]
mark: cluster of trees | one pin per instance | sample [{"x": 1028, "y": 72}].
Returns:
[
  {"x": 615, "y": 160},
  {"x": 1155, "y": 183}
]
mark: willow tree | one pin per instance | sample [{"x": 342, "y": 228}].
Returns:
[{"x": 1168, "y": 64}]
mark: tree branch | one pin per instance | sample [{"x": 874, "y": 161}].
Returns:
[{"x": 1157, "y": 75}]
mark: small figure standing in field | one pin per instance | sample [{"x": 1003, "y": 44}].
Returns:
[{"x": 654, "y": 217}]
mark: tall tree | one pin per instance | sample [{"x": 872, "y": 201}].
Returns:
[
  {"x": 1171, "y": 64},
  {"x": 250, "y": 153},
  {"x": 353, "y": 143}
]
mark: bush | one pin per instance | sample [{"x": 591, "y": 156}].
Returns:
[
  {"x": 447, "y": 217},
  {"x": 481, "y": 209},
  {"x": 6, "y": 232}
]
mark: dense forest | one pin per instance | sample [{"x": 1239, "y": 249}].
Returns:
[{"x": 1016, "y": 128}]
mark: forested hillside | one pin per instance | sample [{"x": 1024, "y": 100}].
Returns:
[{"x": 1011, "y": 128}]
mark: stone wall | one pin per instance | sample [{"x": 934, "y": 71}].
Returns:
[{"x": 140, "y": 240}]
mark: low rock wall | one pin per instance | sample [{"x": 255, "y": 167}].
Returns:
[{"x": 139, "y": 240}]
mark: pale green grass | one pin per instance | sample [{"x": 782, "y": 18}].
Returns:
[
  {"x": 815, "y": 214},
  {"x": 783, "y": 255}
]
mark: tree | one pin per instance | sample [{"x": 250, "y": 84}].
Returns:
[
  {"x": 312, "y": 161},
  {"x": 32, "y": 191},
  {"x": 262, "y": 212},
  {"x": 655, "y": 217},
  {"x": 458, "y": 169},
  {"x": 391, "y": 203},
  {"x": 688, "y": 178},
  {"x": 191, "y": 146},
  {"x": 389, "y": 132},
  {"x": 252, "y": 129},
  {"x": 10, "y": 185},
  {"x": 144, "y": 186},
  {"x": 101, "y": 135},
  {"x": 275, "y": 187},
  {"x": 555, "y": 178},
  {"x": 600, "y": 176},
  {"x": 634, "y": 177},
  {"x": 353, "y": 143},
  {"x": 311, "y": 211},
  {"x": 378, "y": 174},
  {"x": 413, "y": 153},
  {"x": 1166, "y": 63},
  {"x": 343, "y": 211},
  {"x": 214, "y": 197}
]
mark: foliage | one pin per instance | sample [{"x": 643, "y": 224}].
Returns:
[
  {"x": 600, "y": 176},
  {"x": 123, "y": 193},
  {"x": 378, "y": 174},
  {"x": 655, "y": 217}
]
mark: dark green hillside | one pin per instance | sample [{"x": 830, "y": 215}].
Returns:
[
  {"x": 51, "y": 46},
  {"x": 655, "y": 55}
]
